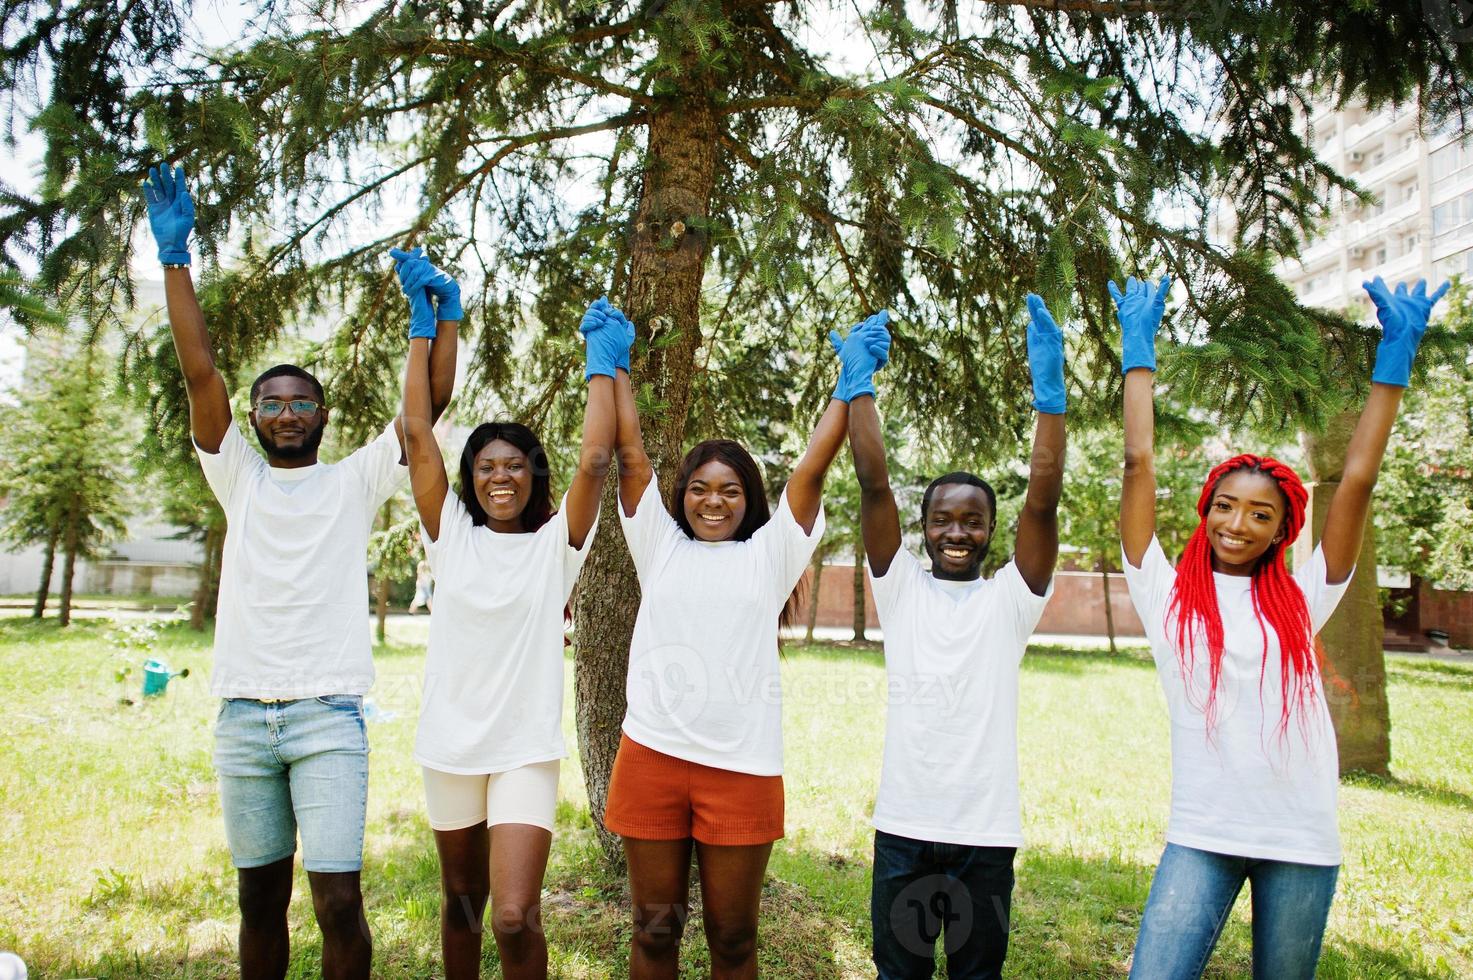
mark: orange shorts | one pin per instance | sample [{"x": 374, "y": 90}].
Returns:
[{"x": 654, "y": 796}]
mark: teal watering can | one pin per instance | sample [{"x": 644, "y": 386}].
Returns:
[{"x": 156, "y": 677}]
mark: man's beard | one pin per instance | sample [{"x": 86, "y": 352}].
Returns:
[
  {"x": 973, "y": 569},
  {"x": 307, "y": 447}
]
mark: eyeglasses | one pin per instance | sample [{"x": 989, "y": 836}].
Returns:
[{"x": 270, "y": 408}]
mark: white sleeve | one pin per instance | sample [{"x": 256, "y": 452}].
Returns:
[
  {"x": 1320, "y": 595},
  {"x": 787, "y": 547},
  {"x": 573, "y": 558},
  {"x": 223, "y": 468},
  {"x": 378, "y": 467},
  {"x": 890, "y": 587},
  {"x": 1025, "y": 607},
  {"x": 455, "y": 524},
  {"x": 1150, "y": 585},
  {"x": 651, "y": 532}
]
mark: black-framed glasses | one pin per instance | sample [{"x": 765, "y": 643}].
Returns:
[{"x": 270, "y": 408}]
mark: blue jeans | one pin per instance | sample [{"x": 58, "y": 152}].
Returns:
[
  {"x": 293, "y": 766},
  {"x": 923, "y": 890},
  {"x": 1192, "y": 894}
]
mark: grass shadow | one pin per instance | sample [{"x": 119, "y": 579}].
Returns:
[{"x": 1441, "y": 795}]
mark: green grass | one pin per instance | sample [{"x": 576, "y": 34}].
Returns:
[{"x": 113, "y": 863}]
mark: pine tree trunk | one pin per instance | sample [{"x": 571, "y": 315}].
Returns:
[
  {"x": 859, "y": 610},
  {"x": 68, "y": 567},
  {"x": 47, "y": 564},
  {"x": 813, "y": 599},
  {"x": 667, "y": 255},
  {"x": 1109, "y": 611},
  {"x": 1355, "y": 660}
]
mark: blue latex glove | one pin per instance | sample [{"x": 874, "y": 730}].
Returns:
[
  {"x": 170, "y": 213},
  {"x": 621, "y": 322},
  {"x": 861, "y": 354},
  {"x": 1403, "y": 317},
  {"x": 1139, "y": 310},
  {"x": 446, "y": 292},
  {"x": 603, "y": 338},
  {"x": 415, "y": 273},
  {"x": 1045, "y": 358}
]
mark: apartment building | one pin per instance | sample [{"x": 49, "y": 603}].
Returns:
[{"x": 1421, "y": 223}]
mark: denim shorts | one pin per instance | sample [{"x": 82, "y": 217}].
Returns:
[{"x": 293, "y": 766}]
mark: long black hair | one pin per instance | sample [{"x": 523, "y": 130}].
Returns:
[
  {"x": 758, "y": 512},
  {"x": 539, "y": 505}
]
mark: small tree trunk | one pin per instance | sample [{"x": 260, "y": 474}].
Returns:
[
  {"x": 1109, "y": 612},
  {"x": 47, "y": 565},
  {"x": 813, "y": 599},
  {"x": 69, "y": 566},
  {"x": 859, "y": 610}
]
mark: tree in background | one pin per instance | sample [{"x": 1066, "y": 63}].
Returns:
[
  {"x": 1089, "y": 515},
  {"x": 65, "y": 476},
  {"x": 1424, "y": 525},
  {"x": 740, "y": 173}
]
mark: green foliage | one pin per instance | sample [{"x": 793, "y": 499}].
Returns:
[
  {"x": 1423, "y": 521},
  {"x": 985, "y": 150},
  {"x": 62, "y": 472},
  {"x": 1089, "y": 514},
  {"x": 20, "y": 302}
]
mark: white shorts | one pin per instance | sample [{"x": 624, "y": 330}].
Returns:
[{"x": 524, "y": 795}]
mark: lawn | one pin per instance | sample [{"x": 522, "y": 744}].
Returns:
[{"x": 112, "y": 856}]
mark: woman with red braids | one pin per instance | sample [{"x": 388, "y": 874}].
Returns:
[{"x": 1254, "y": 769}]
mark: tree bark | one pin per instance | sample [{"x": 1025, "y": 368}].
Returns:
[
  {"x": 1354, "y": 671},
  {"x": 813, "y": 599},
  {"x": 859, "y": 610},
  {"x": 68, "y": 567},
  {"x": 1109, "y": 612},
  {"x": 667, "y": 256},
  {"x": 47, "y": 564}
]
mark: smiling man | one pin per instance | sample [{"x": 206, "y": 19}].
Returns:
[
  {"x": 292, "y": 655},
  {"x": 947, "y": 822}
]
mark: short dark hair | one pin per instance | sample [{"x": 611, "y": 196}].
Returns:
[
  {"x": 539, "y": 505},
  {"x": 965, "y": 478},
  {"x": 287, "y": 371}
]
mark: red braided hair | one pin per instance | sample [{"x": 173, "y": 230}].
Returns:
[{"x": 1277, "y": 598}]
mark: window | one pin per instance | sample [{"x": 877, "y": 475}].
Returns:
[
  {"x": 1409, "y": 191},
  {"x": 1381, "y": 255},
  {"x": 1408, "y": 140},
  {"x": 1460, "y": 264},
  {"x": 1446, "y": 217},
  {"x": 1409, "y": 244}
]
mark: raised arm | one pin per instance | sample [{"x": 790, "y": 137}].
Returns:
[
  {"x": 879, "y": 518},
  {"x": 171, "y": 218},
  {"x": 1139, "y": 310},
  {"x": 635, "y": 471},
  {"x": 416, "y": 426},
  {"x": 1403, "y": 317},
  {"x": 861, "y": 354},
  {"x": 607, "y": 338},
  {"x": 1036, "y": 548},
  {"x": 434, "y": 305}
]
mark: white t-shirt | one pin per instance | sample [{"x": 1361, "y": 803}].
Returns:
[
  {"x": 493, "y": 695},
  {"x": 1248, "y": 788},
  {"x": 952, "y": 654},
  {"x": 703, "y": 681},
  {"x": 292, "y": 621}
]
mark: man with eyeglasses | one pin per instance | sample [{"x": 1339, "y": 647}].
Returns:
[{"x": 292, "y": 652}]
